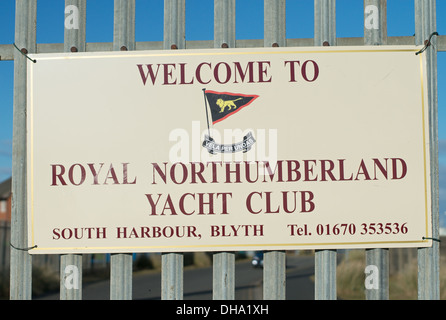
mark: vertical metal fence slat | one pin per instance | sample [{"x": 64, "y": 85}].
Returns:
[
  {"x": 21, "y": 261},
  {"x": 325, "y": 260},
  {"x": 429, "y": 258},
  {"x": 224, "y": 23},
  {"x": 274, "y": 265},
  {"x": 71, "y": 277},
  {"x": 274, "y": 275},
  {"x": 121, "y": 264},
  {"x": 172, "y": 276},
  {"x": 74, "y": 38},
  {"x": 174, "y": 38},
  {"x": 376, "y": 34},
  {"x": 324, "y": 22},
  {"x": 174, "y": 24},
  {"x": 74, "y": 41},
  {"x": 124, "y": 25},
  {"x": 274, "y": 23},
  {"x": 380, "y": 259},
  {"x": 325, "y": 275},
  {"x": 223, "y": 277}
]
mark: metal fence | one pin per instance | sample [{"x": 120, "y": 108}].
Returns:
[
  {"x": 48, "y": 263},
  {"x": 375, "y": 33}
]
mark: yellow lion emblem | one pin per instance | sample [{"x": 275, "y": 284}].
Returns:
[{"x": 226, "y": 103}]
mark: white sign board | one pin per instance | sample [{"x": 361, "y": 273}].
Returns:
[{"x": 228, "y": 149}]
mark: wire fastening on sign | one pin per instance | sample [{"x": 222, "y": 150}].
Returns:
[
  {"x": 428, "y": 43},
  {"x": 435, "y": 239},
  {"x": 33, "y": 60},
  {"x": 22, "y": 249}
]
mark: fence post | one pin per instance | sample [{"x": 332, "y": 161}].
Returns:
[
  {"x": 172, "y": 276},
  {"x": 324, "y": 22},
  {"x": 71, "y": 277},
  {"x": 75, "y": 25},
  {"x": 375, "y": 33},
  {"x": 223, "y": 280},
  {"x": 21, "y": 261},
  {"x": 121, "y": 264},
  {"x": 429, "y": 258},
  {"x": 375, "y": 22},
  {"x": 224, "y": 262},
  {"x": 174, "y": 24},
  {"x": 74, "y": 41},
  {"x": 325, "y": 260},
  {"x": 380, "y": 259},
  {"x": 274, "y": 23},
  {"x": 174, "y": 38},
  {"x": 274, "y": 265},
  {"x": 224, "y": 23},
  {"x": 124, "y": 25}
]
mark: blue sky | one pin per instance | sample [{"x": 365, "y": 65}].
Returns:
[{"x": 199, "y": 22}]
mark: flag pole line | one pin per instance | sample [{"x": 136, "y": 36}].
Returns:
[{"x": 206, "y": 108}]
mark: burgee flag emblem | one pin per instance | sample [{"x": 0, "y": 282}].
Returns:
[{"x": 225, "y": 104}]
